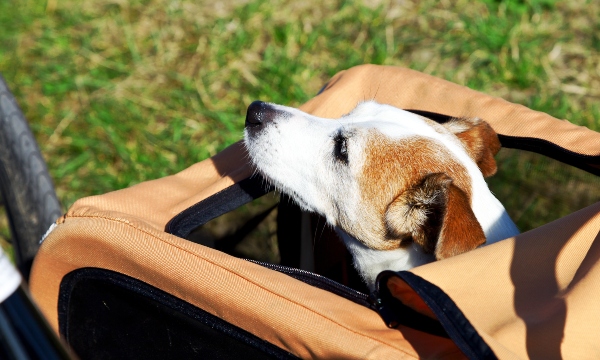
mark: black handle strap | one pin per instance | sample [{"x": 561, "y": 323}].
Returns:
[{"x": 217, "y": 204}]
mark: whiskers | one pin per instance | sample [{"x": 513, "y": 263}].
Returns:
[{"x": 325, "y": 224}]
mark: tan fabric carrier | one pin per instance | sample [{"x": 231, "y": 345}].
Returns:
[{"x": 533, "y": 296}]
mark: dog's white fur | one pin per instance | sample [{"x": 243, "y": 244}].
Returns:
[{"x": 296, "y": 152}]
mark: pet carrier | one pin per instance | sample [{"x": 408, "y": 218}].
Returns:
[{"x": 117, "y": 278}]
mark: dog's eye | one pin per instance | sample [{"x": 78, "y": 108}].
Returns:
[{"x": 340, "y": 149}]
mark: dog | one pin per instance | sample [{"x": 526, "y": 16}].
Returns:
[{"x": 400, "y": 189}]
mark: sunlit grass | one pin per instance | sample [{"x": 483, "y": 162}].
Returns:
[{"x": 119, "y": 92}]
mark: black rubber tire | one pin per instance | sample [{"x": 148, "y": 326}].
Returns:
[{"x": 26, "y": 187}]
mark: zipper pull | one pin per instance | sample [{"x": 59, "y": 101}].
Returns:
[{"x": 387, "y": 314}]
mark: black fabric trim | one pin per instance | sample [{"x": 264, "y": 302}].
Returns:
[
  {"x": 321, "y": 282},
  {"x": 540, "y": 146},
  {"x": 72, "y": 279},
  {"x": 394, "y": 313},
  {"x": 217, "y": 204},
  {"x": 455, "y": 323},
  {"x": 323, "y": 88},
  {"x": 551, "y": 150}
]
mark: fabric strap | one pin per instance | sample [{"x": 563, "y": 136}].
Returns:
[{"x": 218, "y": 204}]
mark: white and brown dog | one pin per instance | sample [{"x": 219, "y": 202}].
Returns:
[{"x": 400, "y": 189}]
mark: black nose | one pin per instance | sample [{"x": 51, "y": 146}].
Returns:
[{"x": 259, "y": 113}]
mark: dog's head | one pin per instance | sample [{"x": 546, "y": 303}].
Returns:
[{"x": 385, "y": 176}]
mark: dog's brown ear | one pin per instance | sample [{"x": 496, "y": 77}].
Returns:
[
  {"x": 436, "y": 215},
  {"x": 460, "y": 231},
  {"x": 480, "y": 140}
]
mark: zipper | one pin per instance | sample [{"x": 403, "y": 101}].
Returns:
[
  {"x": 374, "y": 301},
  {"x": 321, "y": 282},
  {"x": 387, "y": 315}
]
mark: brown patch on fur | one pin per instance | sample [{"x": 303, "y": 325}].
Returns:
[
  {"x": 460, "y": 231},
  {"x": 392, "y": 167},
  {"x": 480, "y": 140}
]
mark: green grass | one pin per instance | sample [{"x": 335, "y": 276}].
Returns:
[{"x": 122, "y": 92}]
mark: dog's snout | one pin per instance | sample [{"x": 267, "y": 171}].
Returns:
[{"x": 259, "y": 113}]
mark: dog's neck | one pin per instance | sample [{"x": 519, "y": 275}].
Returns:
[{"x": 370, "y": 262}]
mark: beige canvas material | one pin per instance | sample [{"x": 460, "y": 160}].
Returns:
[
  {"x": 158, "y": 201},
  {"x": 534, "y": 296},
  {"x": 123, "y": 231},
  {"x": 307, "y": 321}
]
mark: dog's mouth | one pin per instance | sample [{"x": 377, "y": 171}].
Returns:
[
  {"x": 256, "y": 155},
  {"x": 272, "y": 184}
]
